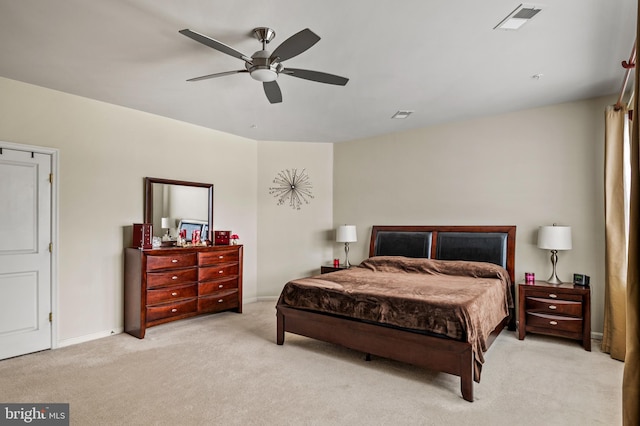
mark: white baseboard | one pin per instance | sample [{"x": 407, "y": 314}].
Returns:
[
  {"x": 267, "y": 298},
  {"x": 595, "y": 335},
  {"x": 107, "y": 333},
  {"x": 88, "y": 337}
]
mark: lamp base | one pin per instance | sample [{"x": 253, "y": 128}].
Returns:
[
  {"x": 346, "y": 255},
  {"x": 553, "y": 279}
]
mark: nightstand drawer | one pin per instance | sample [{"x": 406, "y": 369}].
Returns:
[
  {"x": 554, "y": 322},
  {"x": 559, "y": 294},
  {"x": 555, "y": 306}
]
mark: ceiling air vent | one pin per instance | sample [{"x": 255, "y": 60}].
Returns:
[
  {"x": 402, "y": 114},
  {"x": 518, "y": 17}
]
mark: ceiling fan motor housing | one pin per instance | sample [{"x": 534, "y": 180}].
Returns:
[{"x": 261, "y": 69}]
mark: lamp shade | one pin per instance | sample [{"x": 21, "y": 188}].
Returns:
[
  {"x": 346, "y": 234},
  {"x": 554, "y": 237},
  {"x": 164, "y": 223}
]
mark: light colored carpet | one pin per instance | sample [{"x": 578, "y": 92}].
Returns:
[{"x": 226, "y": 369}]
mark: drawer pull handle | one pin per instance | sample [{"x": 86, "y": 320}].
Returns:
[
  {"x": 175, "y": 277},
  {"x": 220, "y": 300},
  {"x": 174, "y": 260},
  {"x": 221, "y": 285},
  {"x": 220, "y": 257},
  {"x": 220, "y": 271},
  {"x": 553, "y": 296},
  {"x": 553, "y": 322},
  {"x": 552, "y": 306},
  {"x": 174, "y": 310},
  {"x": 174, "y": 293}
]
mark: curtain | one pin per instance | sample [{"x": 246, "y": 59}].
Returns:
[
  {"x": 631, "y": 375},
  {"x": 615, "y": 295}
]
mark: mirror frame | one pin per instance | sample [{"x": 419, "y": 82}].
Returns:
[{"x": 148, "y": 198}]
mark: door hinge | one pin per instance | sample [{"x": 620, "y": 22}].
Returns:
[
  {"x": 50, "y": 247},
  {"x": 50, "y": 316},
  {"x": 50, "y": 177}
]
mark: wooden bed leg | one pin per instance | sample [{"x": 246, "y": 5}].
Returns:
[
  {"x": 466, "y": 386},
  {"x": 280, "y": 327},
  {"x": 466, "y": 376}
]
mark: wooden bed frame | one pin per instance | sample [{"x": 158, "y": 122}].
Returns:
[{"x": 435, "y": 353}]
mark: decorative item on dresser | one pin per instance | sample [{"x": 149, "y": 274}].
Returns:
[
  {"x": 163, "y": 285},
  {"x": 562, "y": 310}
]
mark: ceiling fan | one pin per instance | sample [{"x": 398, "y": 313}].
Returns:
[{"x": 266, "y": 66}]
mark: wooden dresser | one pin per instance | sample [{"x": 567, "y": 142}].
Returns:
[
  {"x": 168, "y": 284},
  {"x": 555, "y": 309}
]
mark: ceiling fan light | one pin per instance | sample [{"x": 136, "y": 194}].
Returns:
[{"x": 265, "y": 75}]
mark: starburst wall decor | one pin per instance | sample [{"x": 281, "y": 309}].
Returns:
[{"x": 292, "y": 187}]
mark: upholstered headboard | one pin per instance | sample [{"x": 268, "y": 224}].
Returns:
[{"x": 494, "y": 244}]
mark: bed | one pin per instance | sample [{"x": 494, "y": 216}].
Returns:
[{"x": 377, "y": 307}]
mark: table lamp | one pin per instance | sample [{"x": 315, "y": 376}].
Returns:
[
  {"x": 346, "y": 234},
  {"x": 165, "y": 224},
  {"x": 554, "y": 238}
]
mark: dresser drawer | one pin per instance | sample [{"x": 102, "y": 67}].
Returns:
[
  {"x": 167, "y": 310},
  {"x": 211, "y": 287},
  {"x": 183, "y": 260},
  {"x": 557, "y": 306},
  {"x": 220, "y": 302},
  {"x": 169, "y": 294},
  {"x": 554, "y": 322},
  {"x": 216, "y": 257},
  {"x": 214, "y": 272},
  {"x": 178, "y": 276}
]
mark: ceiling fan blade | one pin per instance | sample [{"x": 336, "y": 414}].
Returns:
[
  {"x": 320, "y": 77},
  {"x": 218, "y": 74},
  {"x": 272, "y": 90},
  {"x": 295, "y": 45},
  {"x": 215, "y": 44}
]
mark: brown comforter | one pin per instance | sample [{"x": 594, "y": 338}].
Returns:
[{"x": 461, "y": 300}]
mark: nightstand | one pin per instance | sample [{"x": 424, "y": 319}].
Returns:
[
  {"x": 562, "y": 310},
  {"x": 325, "y": 269}
]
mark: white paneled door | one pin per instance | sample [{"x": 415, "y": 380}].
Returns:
[{"x": 25, "y": 257}]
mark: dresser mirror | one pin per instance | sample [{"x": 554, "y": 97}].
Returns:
[{"x": 171, "y": 205}]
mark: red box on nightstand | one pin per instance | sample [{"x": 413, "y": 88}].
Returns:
[{"x": 222, "y": 238}]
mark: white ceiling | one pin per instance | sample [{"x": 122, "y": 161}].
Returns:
[{"x": 439, "y": 58}]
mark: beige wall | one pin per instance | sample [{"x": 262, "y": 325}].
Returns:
[
  {"x": 293, "y": 243},
  {"x": 527, "y": 168},
  {"x": 105, "y": 151}
]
